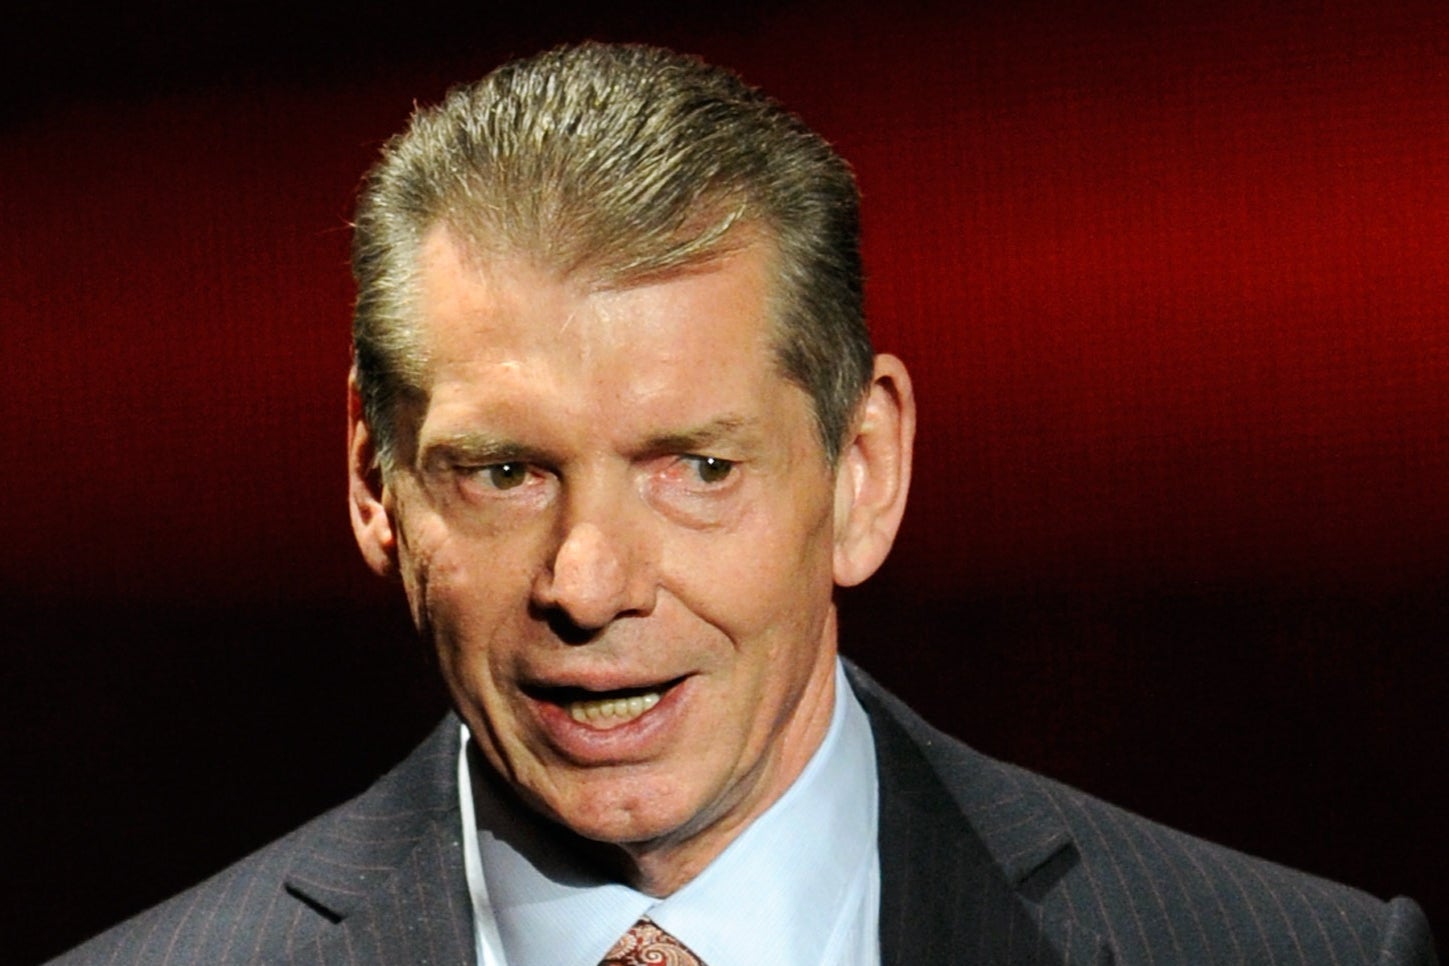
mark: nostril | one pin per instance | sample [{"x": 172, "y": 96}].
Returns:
[{"x": 566, "y": 629}]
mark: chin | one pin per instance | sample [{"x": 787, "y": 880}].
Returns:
[{"x": 628, "y": 817}]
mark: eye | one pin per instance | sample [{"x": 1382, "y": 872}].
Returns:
[
  {"x": 505, "y": 476},
  {"x": 711, "y": 469},
  {"x": 698, "y": 491}
]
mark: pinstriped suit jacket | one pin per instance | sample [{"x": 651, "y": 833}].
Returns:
[{"x": 980, "y": 863}]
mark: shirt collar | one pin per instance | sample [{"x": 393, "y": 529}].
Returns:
[{"x": 799, "y": 874}]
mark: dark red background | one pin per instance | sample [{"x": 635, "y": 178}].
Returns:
[{"x": 1172, "y": 282}]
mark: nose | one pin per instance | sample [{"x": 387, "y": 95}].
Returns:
[{"x": 598, "y": 573}]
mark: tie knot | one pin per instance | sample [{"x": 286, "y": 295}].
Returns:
[{"x": 645, "y": 944}]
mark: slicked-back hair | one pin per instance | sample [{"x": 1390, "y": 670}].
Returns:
[{"x": 623, "y": 164}]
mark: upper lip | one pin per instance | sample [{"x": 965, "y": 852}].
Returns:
[{"x": 585, "y": 687}]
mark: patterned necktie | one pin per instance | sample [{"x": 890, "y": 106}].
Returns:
[{"x": 645, "y": 944}]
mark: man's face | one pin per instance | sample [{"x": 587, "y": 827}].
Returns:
[{"x": 617, "y": 530}]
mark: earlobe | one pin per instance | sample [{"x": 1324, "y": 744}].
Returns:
[
  {"x": 367, "y": 505},
  {"x": 874, "y": 474}
]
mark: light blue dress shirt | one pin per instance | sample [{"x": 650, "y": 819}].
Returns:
[{"x": 799, "y": 887}]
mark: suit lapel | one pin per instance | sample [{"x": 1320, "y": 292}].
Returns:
[
  {"x": 958, "y": 863},
  {"x": 388, "y": 875}
]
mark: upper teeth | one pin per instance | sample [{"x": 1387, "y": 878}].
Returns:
[{"x": 611, "y": 712}]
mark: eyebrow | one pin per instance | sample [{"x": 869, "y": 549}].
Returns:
[
  {"x": 478, "y": 448},
  {"x": 732, "y": 428}
]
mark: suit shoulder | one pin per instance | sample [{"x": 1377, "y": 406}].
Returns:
[
  {"x": 1160, "y": 889},
  {"x": 253, "y": 911},
  {"x": 1155, "y": 894},
  {"x": 1123, "y": 860},
  {"x": 228, "y": 918}
]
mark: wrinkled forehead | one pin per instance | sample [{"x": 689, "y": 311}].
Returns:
[
  {"x": 518, "y": 351},
  {"x": 466, "y": 299},
  {"x": 465, "y": 251}
]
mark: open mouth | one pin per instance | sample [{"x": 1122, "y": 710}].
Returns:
[{"x": 605, "y": 710}]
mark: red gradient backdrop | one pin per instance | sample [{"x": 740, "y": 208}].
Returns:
[{"x": 1172, "y": 285}]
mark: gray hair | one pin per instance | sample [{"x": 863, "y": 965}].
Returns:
[{"x": 624, "y": 163}]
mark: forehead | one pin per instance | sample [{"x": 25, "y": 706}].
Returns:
[
  {"x": 471, "y": 297},
  {"x": 503, "y": 333}
]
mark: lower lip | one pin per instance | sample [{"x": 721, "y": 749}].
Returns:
[{"x": 630, "y": 742}]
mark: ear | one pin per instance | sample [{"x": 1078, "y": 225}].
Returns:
[
  {"x": 874, "y": 473},
  {"x": 366, "y": 494}
]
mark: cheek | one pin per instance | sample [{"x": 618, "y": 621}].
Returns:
[
  {"x": 465, "y": 618},
  {"x": 476, "y": 614},
  {"x": 769, "y": 578},
  {"x": 440, "y": 579},
  {"x": 414, "y": 556},
  {"x": 465, "y": 600}
]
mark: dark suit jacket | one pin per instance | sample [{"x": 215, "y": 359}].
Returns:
[{"x": 981, "y": 862}]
